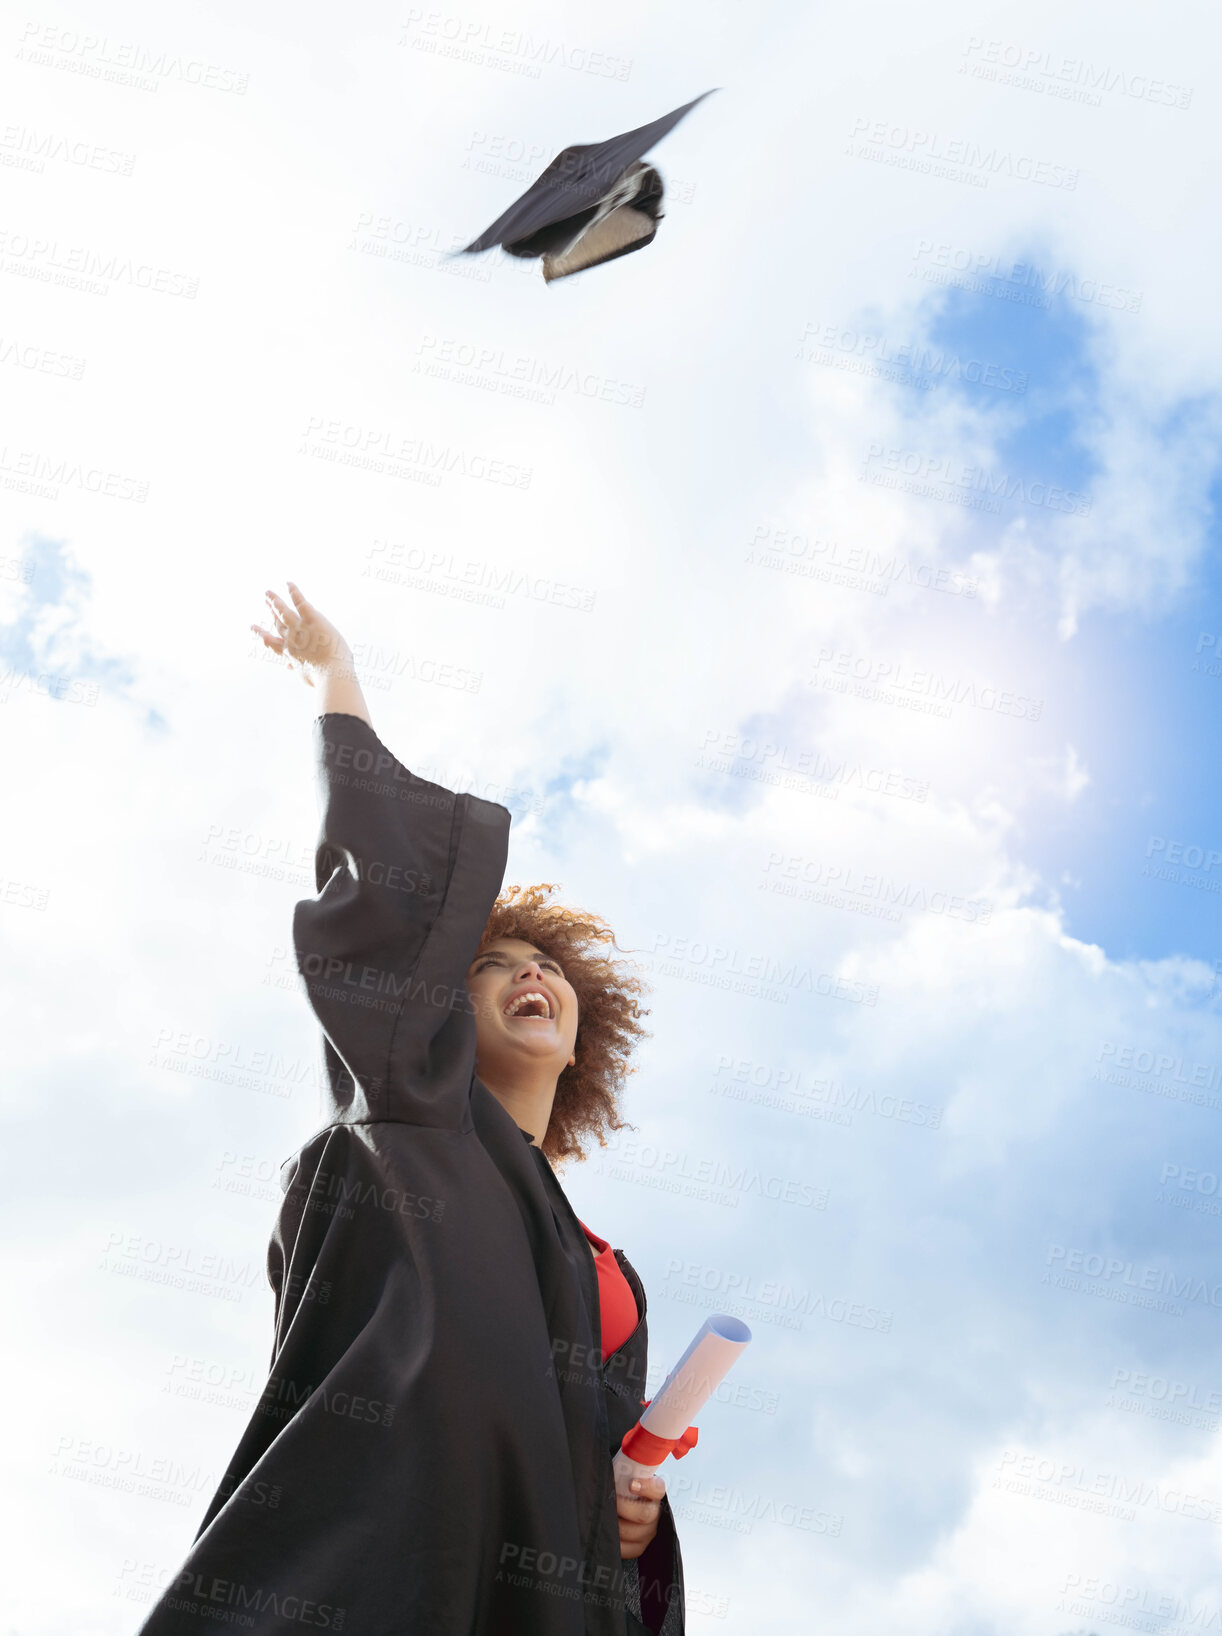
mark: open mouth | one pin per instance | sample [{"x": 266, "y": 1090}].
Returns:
[{"x": 533, "y": 1003}]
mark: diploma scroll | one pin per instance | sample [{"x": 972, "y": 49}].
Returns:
[{"x": 664, "y": 1427}]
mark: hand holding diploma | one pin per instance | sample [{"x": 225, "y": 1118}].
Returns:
[
  {"x": 664, "y": 1426},
  {"x": 638, "y": 1514}
]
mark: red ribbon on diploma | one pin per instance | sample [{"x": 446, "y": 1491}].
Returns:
[{"x": 641, "y": 1444}]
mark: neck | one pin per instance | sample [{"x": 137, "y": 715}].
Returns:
[{"x": 526, "y": 1098}]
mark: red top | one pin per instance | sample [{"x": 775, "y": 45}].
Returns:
[
  {"x": 616, "y": 1302},
  {"x": 619, "y": 1317}
]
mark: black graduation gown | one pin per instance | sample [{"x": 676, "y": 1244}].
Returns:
[{"x": 432, "y": 1451}]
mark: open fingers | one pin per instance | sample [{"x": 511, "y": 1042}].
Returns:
[
  {"x": 275, "y": 643},
  {"x": 284, "y": 614}
]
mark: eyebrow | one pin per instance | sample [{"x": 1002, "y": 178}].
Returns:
[{"x": 500, "y": 954}]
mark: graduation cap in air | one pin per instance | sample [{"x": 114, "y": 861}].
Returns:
[{"x": 591, "y": 204}]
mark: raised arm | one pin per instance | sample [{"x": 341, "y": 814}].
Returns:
[{"x": 406, "y": 875}]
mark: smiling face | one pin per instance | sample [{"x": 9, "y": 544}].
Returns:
[{"x": 525, "y": 1012}]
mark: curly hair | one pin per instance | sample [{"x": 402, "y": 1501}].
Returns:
[{"x": 609, "y": 1012}]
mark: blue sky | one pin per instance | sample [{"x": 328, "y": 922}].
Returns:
[
  {"x": 1155, "y": 783},
  {"x": 987, "y": 1043},
  {"x": 1135, "y": 690}
]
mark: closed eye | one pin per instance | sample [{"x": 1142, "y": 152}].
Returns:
[{"x": 502, "y": 960}]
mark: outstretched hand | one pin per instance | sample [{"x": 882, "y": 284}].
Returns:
[{"x": 304, "y": 637}]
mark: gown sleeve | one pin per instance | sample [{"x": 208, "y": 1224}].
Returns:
[
  {"x": 660, "y": 1578},
  {"x": 406, "y": 875}
]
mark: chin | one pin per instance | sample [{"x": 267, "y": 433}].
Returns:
[{"x": 539, "y": 1048}]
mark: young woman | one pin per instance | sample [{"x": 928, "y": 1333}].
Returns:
[{"x": 457, "y": 1358}]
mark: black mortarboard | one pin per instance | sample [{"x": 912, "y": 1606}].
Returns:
[{"x": 591, "y": 204}]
